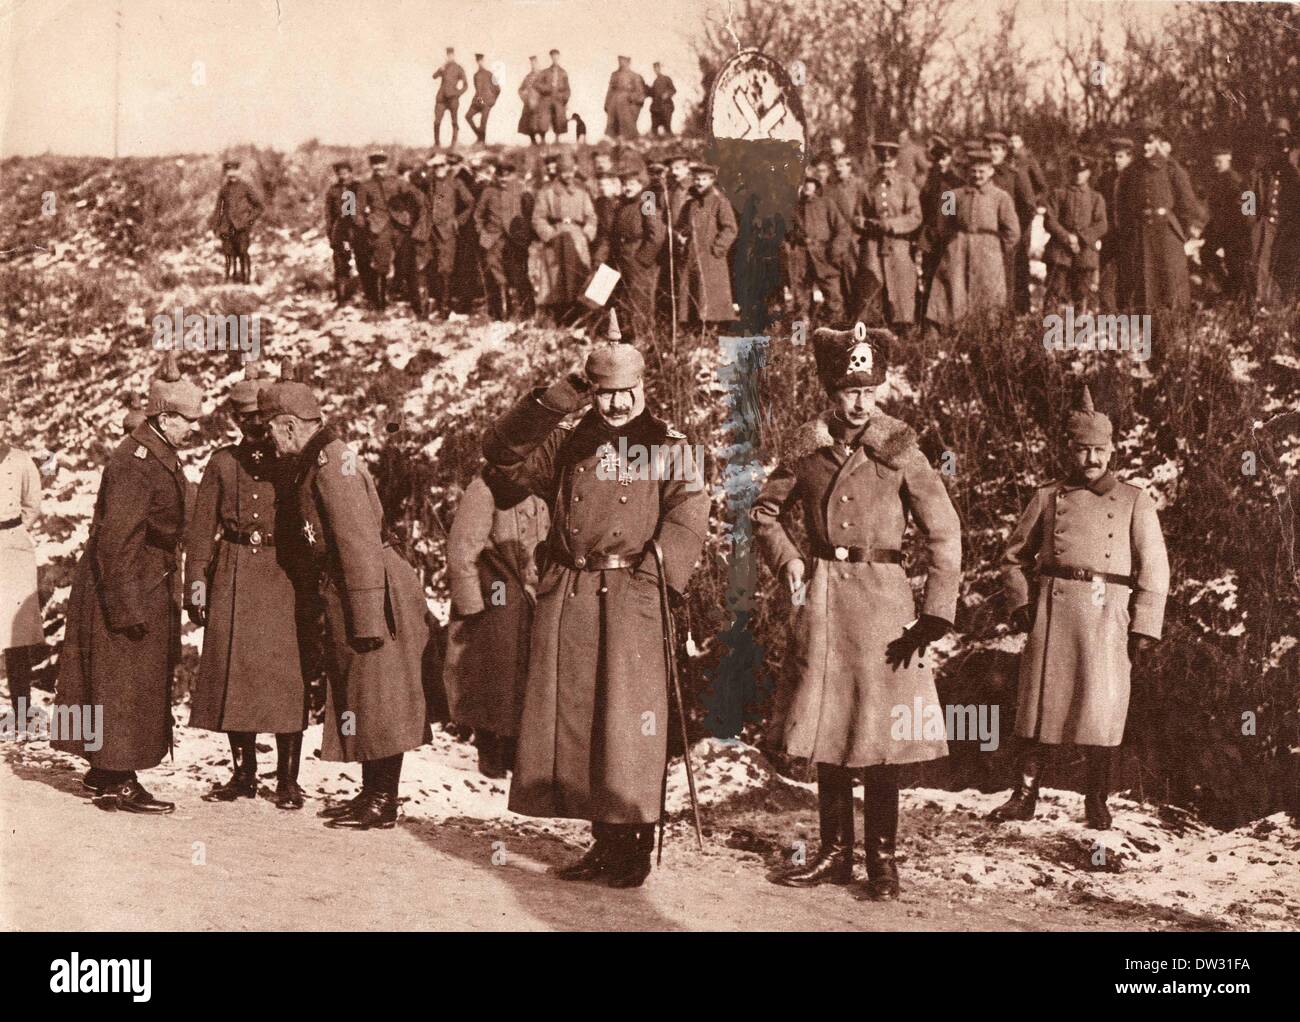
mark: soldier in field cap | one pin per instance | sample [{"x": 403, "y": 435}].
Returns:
[
  {"x": 238, "y": 208},
  {"x": 855, "y": 476},
  {"x": 375, "y": 617},
  {"x": 1086, "y": 574},
  {"x": 123, "y": 633},
  {"x": 593, "y": 739},
  {"x": 238, "y": 589},
  {"x": 1076, "y": 222}
]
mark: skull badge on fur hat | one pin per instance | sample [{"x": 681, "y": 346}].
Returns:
[{"x": 851, "y": 358}]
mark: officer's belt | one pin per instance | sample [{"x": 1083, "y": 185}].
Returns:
[
  {"x": 255, "y": 537},
  {"x": 857, "y": 554},
  {"x": 11, "y": 523},
  {"x": 609, "y": 562},
  {"x": 1086, "y": 575}
]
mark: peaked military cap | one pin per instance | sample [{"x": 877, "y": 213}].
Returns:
[
  {"x": 169, "y": 392},
  {"x": 1086, "y": 425},
  {"x": 288, "y": 396},
  {"x": 615, "y": 366},
  {"x": 243, "y": 395}
]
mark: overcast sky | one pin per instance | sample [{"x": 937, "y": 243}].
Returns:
[{"x": 198, "y": 75}]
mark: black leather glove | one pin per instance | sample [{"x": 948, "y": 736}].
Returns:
[
  {"x": 914, "y": 640},
  {"x": 198, "y": 617},
  {"x": 568, "y": 395},
  {"x": 1022, "y": 618},
  {"x": 367, "y": 644},
  {"x": 1138, "y": 644},
  {"x": 136, "y": 632}
]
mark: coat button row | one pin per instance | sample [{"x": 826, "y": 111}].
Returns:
[{"x": 622, "y": 500}]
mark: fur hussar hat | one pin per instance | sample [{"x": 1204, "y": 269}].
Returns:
[
  {"x": 289, "y": 395},
  {"x": 1086, "y": 425},
  {"x": 851, "y": 358},
  {"x": 168, "y": 392}
]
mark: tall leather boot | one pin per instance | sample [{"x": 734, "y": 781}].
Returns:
[
  {"x": 1094, "y": 800},
  {"x": 880, "y": 801},
  {"x": 18, "y": 671},
  {"x": 288, "y": 751},
  {"x": 631, "y": 863},
  {"x": 593, "y": 862},
  {"x": 1024, "y": 799},
  {"x": 243, "y": 781},
  {"x": 834, "y": 861},
  {"x": 489, "y": 754},
  {"x": 381, "y": 292},
  {"x": 506, "y": 750},
  {"x": 377, "y": 807}
]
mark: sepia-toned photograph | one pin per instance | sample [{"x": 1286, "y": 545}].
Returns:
[{"x": 771, "y": 466}]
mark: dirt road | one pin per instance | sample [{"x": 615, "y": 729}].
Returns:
[{"x": 67, "y": 864}]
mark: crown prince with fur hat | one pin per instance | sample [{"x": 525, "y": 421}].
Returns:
[{"x": 856, "y": 477}]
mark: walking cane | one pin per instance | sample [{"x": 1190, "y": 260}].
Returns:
[
  {"x": 674, "y": 692},
  {"x": 672, "y": 271}
]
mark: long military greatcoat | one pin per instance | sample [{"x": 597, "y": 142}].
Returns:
[
  {"x": 375, "y": 701},
  {"x": 20, "y": 506},
  {"x": 237, "y": 557},
  {"x": 1077, "y": 210},
  {"x": 893, "y": 203},
  {"x": 564, "y": 252},
  {"x": 238, "y": 208},
  {"x": 1074, "y": 672},
  {"x": 127, "y": 575},
  {"x": 593, "y": 740},
  {"x": 492, "y": 571},
  {"x": 623, "y": 101},
  {"x": 704, "y": 265},
  {"x": 844, "y": 710},
  {"x": 972, "y": 273},
  {"x": 1276, "y": 228},
  {"x": 636, "y": 243},
  {"x": 1158, "y": 210}
]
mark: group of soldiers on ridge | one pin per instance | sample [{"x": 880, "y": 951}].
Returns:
[{"x": 903, "y": 235}]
